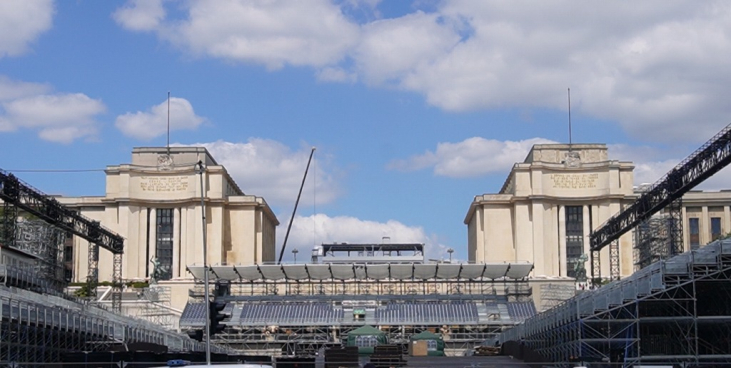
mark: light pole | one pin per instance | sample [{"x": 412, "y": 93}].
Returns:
[
  {"x": 200, "y": 169},
  {"x": 450, "y": 251},
  {"x": 294, "y": 252}
]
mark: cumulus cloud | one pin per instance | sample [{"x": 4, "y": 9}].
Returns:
[
  {"x": 59, "y": 117},
  {"x": 140, "y": 15},
  {"x": 336, "y": 75},
  {"x": 272, "y": 33},
  {"x": 472, "y": 157},
  {"x": 154, "y": 123},
  {"x": 12, "y": 89},
  {"x": 270, "y": 169},
  {"x": 21, "y": 22},
  {"x": 308, "y": 231},
  {"x": 649, "y": 66},
  {"x": 392, "y": 48},
  {"x": 652, "y": 163}
]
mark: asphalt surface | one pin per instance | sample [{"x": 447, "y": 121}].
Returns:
[{"x": 465, "y": 362}]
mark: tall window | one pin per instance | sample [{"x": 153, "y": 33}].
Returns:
[
  {"x": 695, "y": 241},
  {"x": 574, "y": 239},
  {"x": 164, "y": 242},
  {"x": 715, "y": 228}
]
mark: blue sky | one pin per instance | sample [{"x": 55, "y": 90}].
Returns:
[{"x": 415, "y": 107}]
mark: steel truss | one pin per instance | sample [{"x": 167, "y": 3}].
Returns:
[
  {"x": 307, "y": 340},
  {"x": 20, "y": 195},
  {"x": 674, "y": 311},
  {"x": 659, "y": 237},
  {"x": 514, "y": 290},
  {"x": 36, "y": 329},
  {"x": 309, "y": 336},
  {"x": 710, "y": 158}
]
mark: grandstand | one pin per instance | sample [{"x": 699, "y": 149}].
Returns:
[
  {"x": 39, "y": 328},
  {"x": 673, "y": 311},
  {"x": 41, "y": 324},
  {"x": 287, "y": 309}
]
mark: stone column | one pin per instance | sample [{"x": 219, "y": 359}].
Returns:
[
  {"x": 562, "y": 240},
  {"x": 152, "y": 240},
  {"x": 587, "y": 232},
  {"x": 726, "y": 220},
  {"x": 539, "y": 241},
  {"x": 705, "y": 226},
  {"x": 177, "y": 271}
]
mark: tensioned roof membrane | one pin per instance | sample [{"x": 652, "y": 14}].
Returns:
[{"x": 395, "y": 271}]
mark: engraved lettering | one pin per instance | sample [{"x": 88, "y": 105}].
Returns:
[
  {"x": 163, "y": 183},
  {"x": 574, "y": 181}
]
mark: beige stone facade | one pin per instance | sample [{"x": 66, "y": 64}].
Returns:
[
  {"x": 155, "y": 204},
  {"x": 528, "y": 221},
  {"x": 706, "y": 216},
  {"x": 548, "y": 207}
]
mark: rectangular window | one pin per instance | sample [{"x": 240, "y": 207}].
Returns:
[
  {"x": 694, "y": 230},
  {"x": 164, "y": 244},
  {"x": 574, "y": 241},
  {"x": 715, "y": 228}
]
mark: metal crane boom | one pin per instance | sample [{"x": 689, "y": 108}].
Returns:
[{"x": 296, "y": 203}]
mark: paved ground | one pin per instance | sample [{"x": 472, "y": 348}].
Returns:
[{"x": 465, "y": 362}]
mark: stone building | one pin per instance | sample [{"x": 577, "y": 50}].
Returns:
[
  {"x": 548, "y": 206},
  {"x": 155, "y": 204},
  {"x": 551, "y": 202}
]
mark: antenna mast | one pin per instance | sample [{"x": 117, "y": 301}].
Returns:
[
  {"x": 570, "y": 120},
  {"x": 168, "y": 146}
]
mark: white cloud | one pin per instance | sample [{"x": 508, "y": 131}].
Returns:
[
  {"x": 271, "y": 170},
  {"x": 154, "y": 123},
  {"x": 21, "y": 22},
  {"x": 472, "y": 157},
  {"x": 336, "y": 75},
  {"x": 59, "y": 117},
  {"x": 391, "y": 49},
  {"x": 654, "y": 66},
  {"x": 12, "y": 89},
  {"x": 308, "y": 231},
  {"x": 651, "y": 165},
  {"x": 272, "y": 33},
  {"x": 140, "y": 15}
]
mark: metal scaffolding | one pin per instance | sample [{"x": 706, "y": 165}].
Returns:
[
  {"x": 273, "y": 315},
  {"x": 45, "y": 244},
  {"x": 674, "y": 311},
  {"x": 707, "y": 160},
  {"x": 156, "y": 306},
  {"x": 38, "y": 329},
  {"x": 17, "y": 195}
]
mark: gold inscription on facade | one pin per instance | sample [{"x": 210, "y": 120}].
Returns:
[
  {"x": 574, "y": 181},
  {"x": 164, "y": 183}
]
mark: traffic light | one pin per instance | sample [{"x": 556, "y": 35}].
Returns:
[
  {"x": 196, "y": 335},
  {"x": 215, "y": 312}
]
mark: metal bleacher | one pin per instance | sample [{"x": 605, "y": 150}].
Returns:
[{"x": 684, "y": 302}]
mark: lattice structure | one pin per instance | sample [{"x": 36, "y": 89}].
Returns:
[
  {"x": 19, "y": 195},
  {"x": 555, "y": 294},
  {"x": 675, "y": 311},
  {"x": 614, "y": 260},
  {"x": 45, "y": 243},
  {"x": 156, "y": 306},
  {"x": 707, "y": 160},
  {"x": 659, "y": 237},
  {"x": 279, "y": 309},
  {"x": 37, "y": 329}
]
